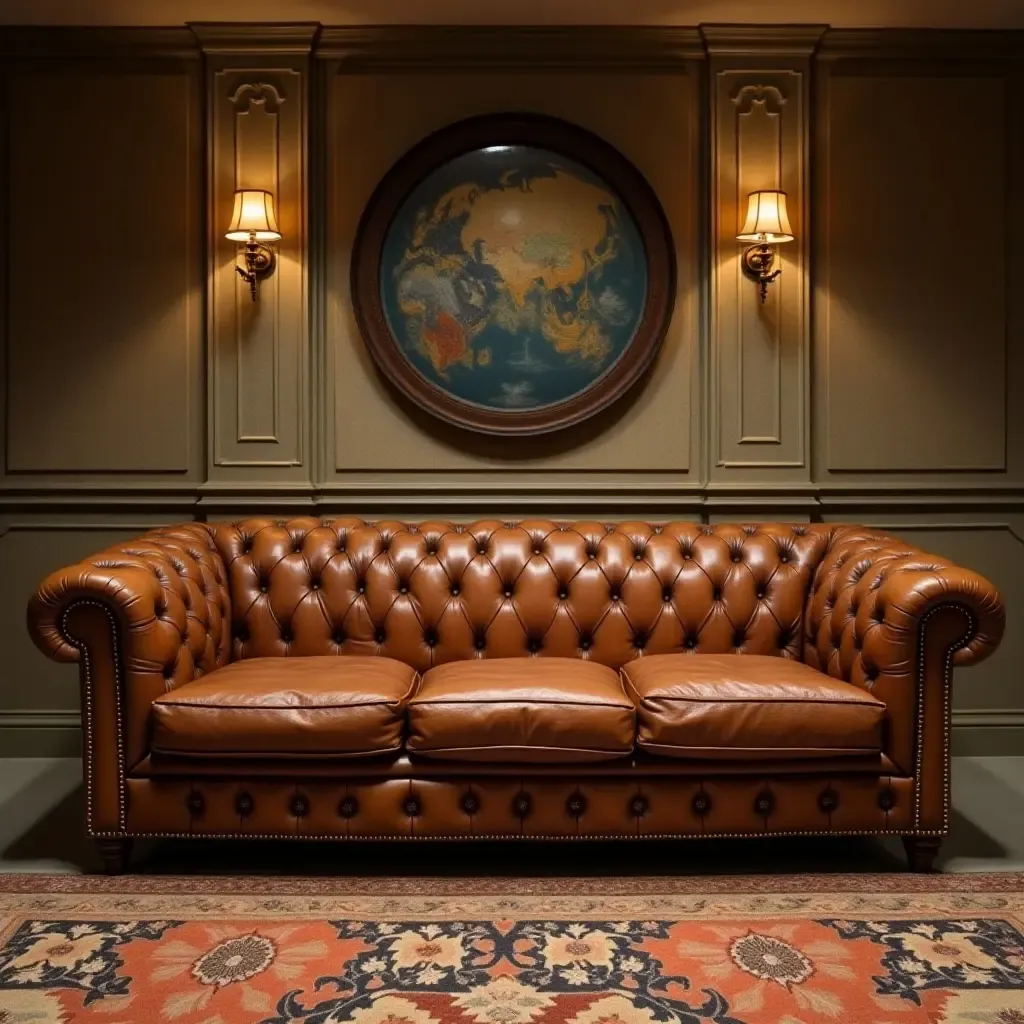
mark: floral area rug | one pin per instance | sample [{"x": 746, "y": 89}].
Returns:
[{"x": 780, "y": 950}]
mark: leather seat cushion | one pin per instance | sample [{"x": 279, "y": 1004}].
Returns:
[
  {"x": 737, "y": 706},
  {"x": 532, "y": 710},
  {"x": 333, "y": 706}
]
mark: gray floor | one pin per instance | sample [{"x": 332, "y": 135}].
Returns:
[{"x": 41, "y": 810}]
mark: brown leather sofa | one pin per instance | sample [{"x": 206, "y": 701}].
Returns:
[{"x": 343, "y": 679}]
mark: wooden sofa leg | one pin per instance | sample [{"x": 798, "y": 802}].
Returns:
[
  {"x": 921, "y": 852},
  {"x": 115, "y": 854}
]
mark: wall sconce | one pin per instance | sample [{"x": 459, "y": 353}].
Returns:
[
  {"x": 254, "y": 222},
  {"x": 766, "y": 225}
]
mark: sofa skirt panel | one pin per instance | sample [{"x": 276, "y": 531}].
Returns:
[{"x": 505, "y": 807}]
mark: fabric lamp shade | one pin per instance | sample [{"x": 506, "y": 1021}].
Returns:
[
  {"x": 767, "y": 219},
  {"x": 253, "y": 215}
]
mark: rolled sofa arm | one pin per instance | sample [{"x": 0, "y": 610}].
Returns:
[
  {"x": 889, "y": 617},
  {"x": 140, "y": 618}
]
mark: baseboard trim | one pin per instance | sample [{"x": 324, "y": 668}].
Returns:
[
  {"x": 41, "y": 732},
  {"x": 988, "y": 732},
  {"x": 44, "y": 732}
]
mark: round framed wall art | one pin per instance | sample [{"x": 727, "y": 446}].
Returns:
[{"x": 513, "y": 274}]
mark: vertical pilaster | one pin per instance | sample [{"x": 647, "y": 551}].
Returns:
[
  {"x": 258, "y": 88},
  {"x": 759, "y": 352}
]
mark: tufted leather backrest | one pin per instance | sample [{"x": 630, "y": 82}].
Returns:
[{"x": 435, "y": 592}]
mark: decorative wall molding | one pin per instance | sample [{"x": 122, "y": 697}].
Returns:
[
  {"x": 911, "y": 46},
  {"x": 34, "y": 43},
  {"x": 758, "y": 387},
  {"x": 440, "y": 48},
  {"x": 258, "y": 358},
  {"x": 764, "y": 41},
  {"x": 226, "y": 39},
  {"x": 859, "y": 254},
  {"x": 128, "y": 316}
]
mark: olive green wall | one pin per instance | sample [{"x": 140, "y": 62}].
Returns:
[{"x": 143, "y": 387}]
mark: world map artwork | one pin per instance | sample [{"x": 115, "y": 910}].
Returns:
[{"x": 513, "y": 278}]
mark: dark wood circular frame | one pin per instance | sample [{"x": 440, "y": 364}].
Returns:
[{"x": 557, "y": 136}]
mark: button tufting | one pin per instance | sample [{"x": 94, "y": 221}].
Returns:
[
  {"x": 508, "y": 591},
  {"x": 349, "y": 807},
  {"x": 533, "y": 645},
  {"x": 738, "y": 638},
  {"x": 431, "y": 550},
  {"x": 764, "y": 803},
  {"x": 430, "y": 637},
  {"x": 241, "y": 634},
  {"x": 640, "y": 641},
  {"x": 403, "y": 589},
  {"x": 585, "y": 642},
  {"x": 263, "y": 588},
  {"x": 760, "y": 592},
  {"x": 411, "y": 806},
  {"x": 638, "y": 806},
  {"x": 716, "y": 594},
  {"x": 701, "y": 804},
  {"x": 886, "y": 799},
  {"x": 614, "y": 594},
  {"x": 481, "y": 549},
  {"x": 563, "y": 593},
  {"x": 314, "y": 584},
  {"x": 690, "y": 642},
  {"x": 575, "y": 805},
  {"x": 666, "y": 594},
  {"x": 522, "y": 804},
  {"x": 360, "y": 586},
  {"x": 338, "y": 637},
  {"x": 298, "y": 806},
  {"x": 195, "y": 803},
  {"x": 454, "y": 590},
  {"x": 243, "y": 805},
  {"x": 737, "y": 557},
  {"x": 470, "y": 803},
  {"x": 828, "y": 801},
  {"x": 536, "y": 551},
  {"x": 480, "y": 643},
  {"x": 784, "y": 558},
  {"x": 286, "y": 636},
  {"x": 379, "y": 636}
]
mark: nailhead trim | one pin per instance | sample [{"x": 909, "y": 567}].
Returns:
[
  {"x": 463, "y": 837},
  {"x": 88, "y": 710},
  {"x": 947, "y": 686}
]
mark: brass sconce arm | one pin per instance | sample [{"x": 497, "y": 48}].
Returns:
[
  {"x": 259, "y": 261},
  {"x": 758, "y": 261}
]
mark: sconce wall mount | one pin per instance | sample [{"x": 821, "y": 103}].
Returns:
[
  {"x": 767, "y": 224},
  {"x": 254, "y": 222}
]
